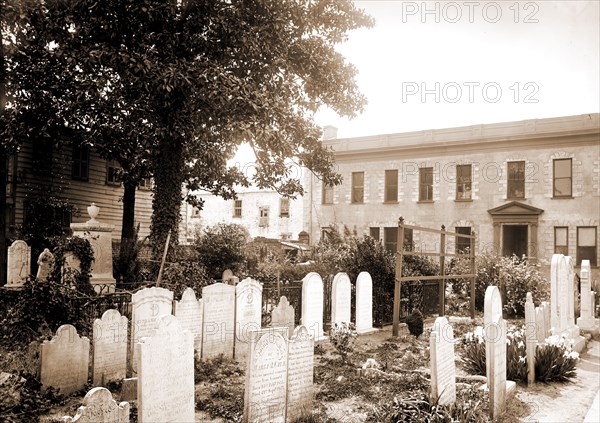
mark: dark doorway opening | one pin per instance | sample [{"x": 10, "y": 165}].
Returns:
[{"x": 514, "y": 240}]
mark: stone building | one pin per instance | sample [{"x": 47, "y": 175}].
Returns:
[{"x": 526, "y": 188}]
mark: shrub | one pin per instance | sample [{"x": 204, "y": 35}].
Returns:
[
  {"x": 415, "y": 323},
  {"x": 342, "y": 336},
  {"x": 222, "y": 247},
  {"x": 555, "y": 361},
  {"x": 187, "y": 272}
]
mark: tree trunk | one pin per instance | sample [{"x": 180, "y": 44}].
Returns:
[
  {"x": 3, "y": 170},
  {"x": 167, "y": 199}
]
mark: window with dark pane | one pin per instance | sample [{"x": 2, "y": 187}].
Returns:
[
  {"x": 358, "y": 187},
  {"x": 463, "y": 182},
  {"x": 561, "y": 240},
  {"x": 563, "y": 177},
  {"x": 516, "y": 179},
  {"x": 391, "y": 186},
  {"x": 426, "y": 184}
]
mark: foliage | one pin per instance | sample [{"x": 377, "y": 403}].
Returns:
[
  {"x": 81, "y": 249},
  {"x": 555, "y": 360},
  {"x": 415, "y": 323},
  {"x": 343, "y": 336},
  {"x": 33, "y": 402},
  {"x": 221, "y": 247},
  {"x": 215, "y": 369},
  {"x": 127, "y": 267}
]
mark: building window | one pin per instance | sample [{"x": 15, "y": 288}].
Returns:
[
  {"x": 586, "y": 244},
  {"x": 561, "y": 240},
  {"x": 462, "y": 244},
  {"x": 145, "y": 184},
  {"x": 327, "y": 233},
  {"x": 81, "y": 162},
  {"x": 390, "y": 239},
  {"x": 426, "y": 184},
  {"x": 358, "y": 187},
  {"x": 113, "y": 170},
  {"x": 263, "y": 221},
  {"x": 408, "y": 239},
  {"x": 374, "y": 233},
  {"x": 563, "y": 177},
  {"x": 284, "y": 207},
  {"x": 391, "y": 186},
  {"x": 463, "y": 182},
  {"x": 42, "y": 156},
  {"x": 327, "y": 194},
  {"x": 237, "y": 208},
  {"x": 516, "y": 179}
]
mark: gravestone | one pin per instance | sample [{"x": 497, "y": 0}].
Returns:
[
  {"x": 301, "y": 348},
  {"x": 443, "y": 367},
  {"x": 99, "y": 407},
  {"x": 530, "y": 338},
  {"x": 18, "y": 263},
  {"x": 166, "y": 374},
  {"x": 364, "y": 303},
  {"x": 340, "y": 298},
  {"x": 189, "y": 315},
  {"x": 45, "y": 265},
  {"x": 284, "y": 316},
  {"x": 562, "y": 287},
  {"x": 547, "y": 318},
  {"x": 109, "y": 340},
  {"x": 227, "y": 277},
  {"x": 148, "y": 305},
  {"x": 495, "y": 352},
  {"x": 248, "y": 313},
  {"x": 312, "y": 305},
  {"x": 65, "y": 360},
  {"x": 100, "y": 237},
  {"x": 266, "y": 376},
  {"x": 540, "y": 324},
  {"x": 218, "y": 324},
  {"x": 586, "y": 320}
]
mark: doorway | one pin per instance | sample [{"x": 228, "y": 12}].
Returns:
[{"x": 514, "y": 240}]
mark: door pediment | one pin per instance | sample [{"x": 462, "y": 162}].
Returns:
[{"x": 514, "y": 208}]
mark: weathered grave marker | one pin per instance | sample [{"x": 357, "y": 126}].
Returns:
[
  {"x": 443, "y": 367},
  {"x": 166, "y": 374},
  {"x": 109, "y": 340},
  {"x": 18, "y": 262},
  {"x": 248, "y": 313},
  {"x": 45, "y": 265},
  {"x": 65, "y": 360},
  {"x": 266, "y": 376},
  {"x": 586, "y": 320},
  {"x": 312, "y": 305},
  {"x": 148, "y": 305},
  {"x": 218, "y": 324},
  {"x": 301, "y": 348},
  {"x": 340, "y": 298},
  {"x": 364, "y": 303},
  {"x": 189, "y": 315},
  {"x": 530, "y": 338},
  {"x": 99, "y": 407},
  {"x": 283, "y": 316}
]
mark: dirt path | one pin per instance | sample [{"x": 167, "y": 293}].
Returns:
[{"x": 567, "y": 402}]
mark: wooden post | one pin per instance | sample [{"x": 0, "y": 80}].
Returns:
[
  {"x": 473, "y": 272},
  {"x": 164, "y": 257},
  {"x": 398, "y": 283},
  {"x": 530, "y": 338},
  {"x": 442, "y": 282}
]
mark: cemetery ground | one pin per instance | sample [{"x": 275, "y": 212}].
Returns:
[{"x": 344, "y": 392}]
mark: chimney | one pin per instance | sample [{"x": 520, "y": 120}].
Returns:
[{"x": 329, "y": 132}]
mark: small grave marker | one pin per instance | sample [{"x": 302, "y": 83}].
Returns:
[
  {"x": 99, "y": 407},
  {"x": 312, "y": 305},
  {"x": 283, "y": 315},
  {"x": 45, "y": 265},
  {"x": 18, "y": 263},
  {"x": 443, "y": 367},
  {"x": 364, "y": 303},
  {"x": 340, "y": 298},
  {"x": 530, "y": 338}
]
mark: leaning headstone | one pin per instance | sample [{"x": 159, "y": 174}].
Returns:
[
  {"x": 301, "y": 348},
  {"x": 218, "y": 324},
  {"x": 266, "y": 376},
  {"x": 284, "y": 316},
  {"x": 166, "y": 374},
  {"x": 586, "y": 320},
  {"x": 248, "y": 313},
  {"x": 312, "y": 305},
  {"x": 443, "y": 367},
  {"x": 364, "y": 303},
  {"x": 45, "y": 265},
  {"x": 530, "y": 338},
  {"x": 340, "y": 298},
  {"x": 189, "y": 315},
  {"x": 109, "y": 340},
  {"x": 495, "y": 352},
  {"x": 227, "y": 276},
  {"x": 148, "y": 305},
  {"x": 65, "y": 360},
  {"x": 18, "y": 261},
  {"x": 99, "y": 407}
]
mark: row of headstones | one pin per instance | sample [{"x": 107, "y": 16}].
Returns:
[
  {"x": 19, "y": 264},
  {"x": 312, "y": 302},
  {"x": 442, "y": 359}
]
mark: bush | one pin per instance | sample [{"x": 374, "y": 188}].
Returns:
[
  {"x": 555, "y": 361},
  {"x": 187, "y": 272},
  {"x": 221, "y": 247},
  {"x": 342, "y": 336},
  {"x": 415, "y": 323}
]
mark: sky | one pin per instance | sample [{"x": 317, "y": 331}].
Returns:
[{"x": 441, "y": 64}]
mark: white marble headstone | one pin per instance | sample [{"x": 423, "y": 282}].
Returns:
[
  {"x": 284, "y": 315},
  {"x": 364, "y": 303},
  {"x": 99, "y": 407},
  {"x": 45, "y": 265},
  {"x": 248, "y": 313},
  {"x": 443, "y": 367},
  {"x": 110, "y": 348},
  {"x": 530, "y": 337},
  {"x": 189, "y": 312},
  {"x": 495, "y": 350},
  {"x": 18, "y": 262},
  {"x": 312, "y": 305},
  {"x": 341, "y": 292},
  {"x": 586, "y": 321},
  {"x": 301, "y": 348},
  {"x": 218, "y": 324}
]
